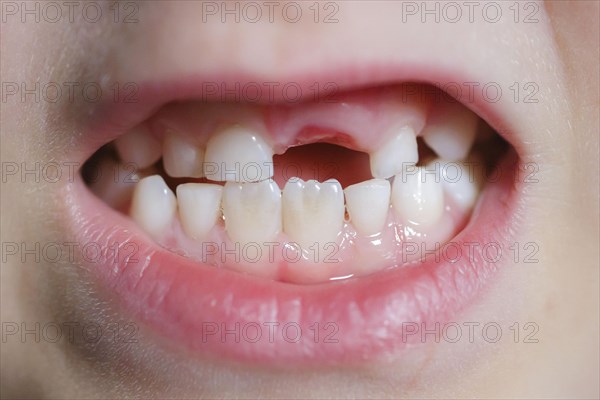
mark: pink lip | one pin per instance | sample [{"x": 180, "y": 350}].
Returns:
[{"x": 228, "y": 315}]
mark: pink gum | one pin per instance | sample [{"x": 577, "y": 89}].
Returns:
[
  {"x": 362, "y": 120},
  {"x": 351, "y": 254}
]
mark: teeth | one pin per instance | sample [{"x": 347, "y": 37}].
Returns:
[
  {"x": 139, "y": 147},
  {"x": 313, "y": 212},
  {"x": 153, "y": 205},
  {"x": 180, "y": 158},
  {"x": 451, "y": 132},
  {"x": 252, "y": 211},
  {"x": 397, "y": 152},
  {"x": 417, "y": 197},
  {"x": 238, "y": 154},
  {"x": 199, "y": 207},
  {"x": 368, "y": 204},
  {"x": 461, "y": 181}
]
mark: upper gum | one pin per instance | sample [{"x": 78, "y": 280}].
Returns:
[{"x": 365, "y": 117}]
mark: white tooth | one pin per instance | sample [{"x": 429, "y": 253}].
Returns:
[
  {"x": 153, "y": 205},
  {"x": 451, "y": 132},
  {"x": 180, "y": 158},
  {"x": 139, "y": 147},
  {"x": 399, "y": 151},
  {"x": 313, "y": 212},
  {"x": 418, "y": 196},
  {"x": 368, "y": 204},
  {"x": 460, "y": 180},
  {"x": 238, "y": 154},
  {"x": 252, "y": 211},
  {"x": 199, "y": 207}
]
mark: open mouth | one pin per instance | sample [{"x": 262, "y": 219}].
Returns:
[
  {"x": 302, "y": 193},
  {"x": 318, "y": 229}
]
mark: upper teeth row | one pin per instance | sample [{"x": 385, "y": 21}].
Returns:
[
  {"x": 308, "y": 212},
  {"x": 240, "y": 154}
]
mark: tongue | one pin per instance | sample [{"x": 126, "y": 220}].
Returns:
[{"x": 322, "y": 161}]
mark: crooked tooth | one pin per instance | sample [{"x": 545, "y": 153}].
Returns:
[
  {"x": 368, "y": 204},
  {"x": 397, "y": 152},
  {"x": 238, "y": 154},
  {"x": 139, "y": 147},
  {"x": 252, "y": 211},
  {"x": 461, "y": 181},
  {"x": 418, "y": 196},
  {"x": 199, "y": 207},
  {"x": 180, "y": 158},
  {"x": 451, "y": 131},
  {"x": 313, "y": 212},
  {"x": 153, "y": 205}
]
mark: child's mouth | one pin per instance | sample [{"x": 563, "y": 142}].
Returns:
[
  {"x": 304, "y": 193},
  {"x": 362, "y": 212}
]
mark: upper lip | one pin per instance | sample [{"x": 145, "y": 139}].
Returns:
[{"x": 183, "y": 299}]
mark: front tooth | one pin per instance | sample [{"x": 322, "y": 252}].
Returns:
[
  {"x": 460, "y": 180},
  {"x": 153, "y": 205},
  {"x": 451, "y": 131},
  {"x": 368, "y": 204},
  {"x": 238, "y": 154},
  {"x": 252, "y": 211},
  {"x": 180, "y": 158},
  {"x": 418, "y": 196},
  {"x": 199, "y": 207},
  {"x": 397, "y": 152},
  {"x": 313, "y": 212},
  {"x": 139, "y": 147}
]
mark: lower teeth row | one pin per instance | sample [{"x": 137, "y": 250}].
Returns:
[{"x": 306, "y": 213}]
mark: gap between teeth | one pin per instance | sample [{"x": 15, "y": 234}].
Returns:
[{"x": 238, "y": 153}]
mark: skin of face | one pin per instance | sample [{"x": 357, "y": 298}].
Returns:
[{"x": 557, "y": 294}]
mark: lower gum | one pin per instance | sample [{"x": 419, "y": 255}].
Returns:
[{"x": 349, "y": 255}]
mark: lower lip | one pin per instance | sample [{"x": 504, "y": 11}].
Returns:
[{"x": 228, "y": 315}]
